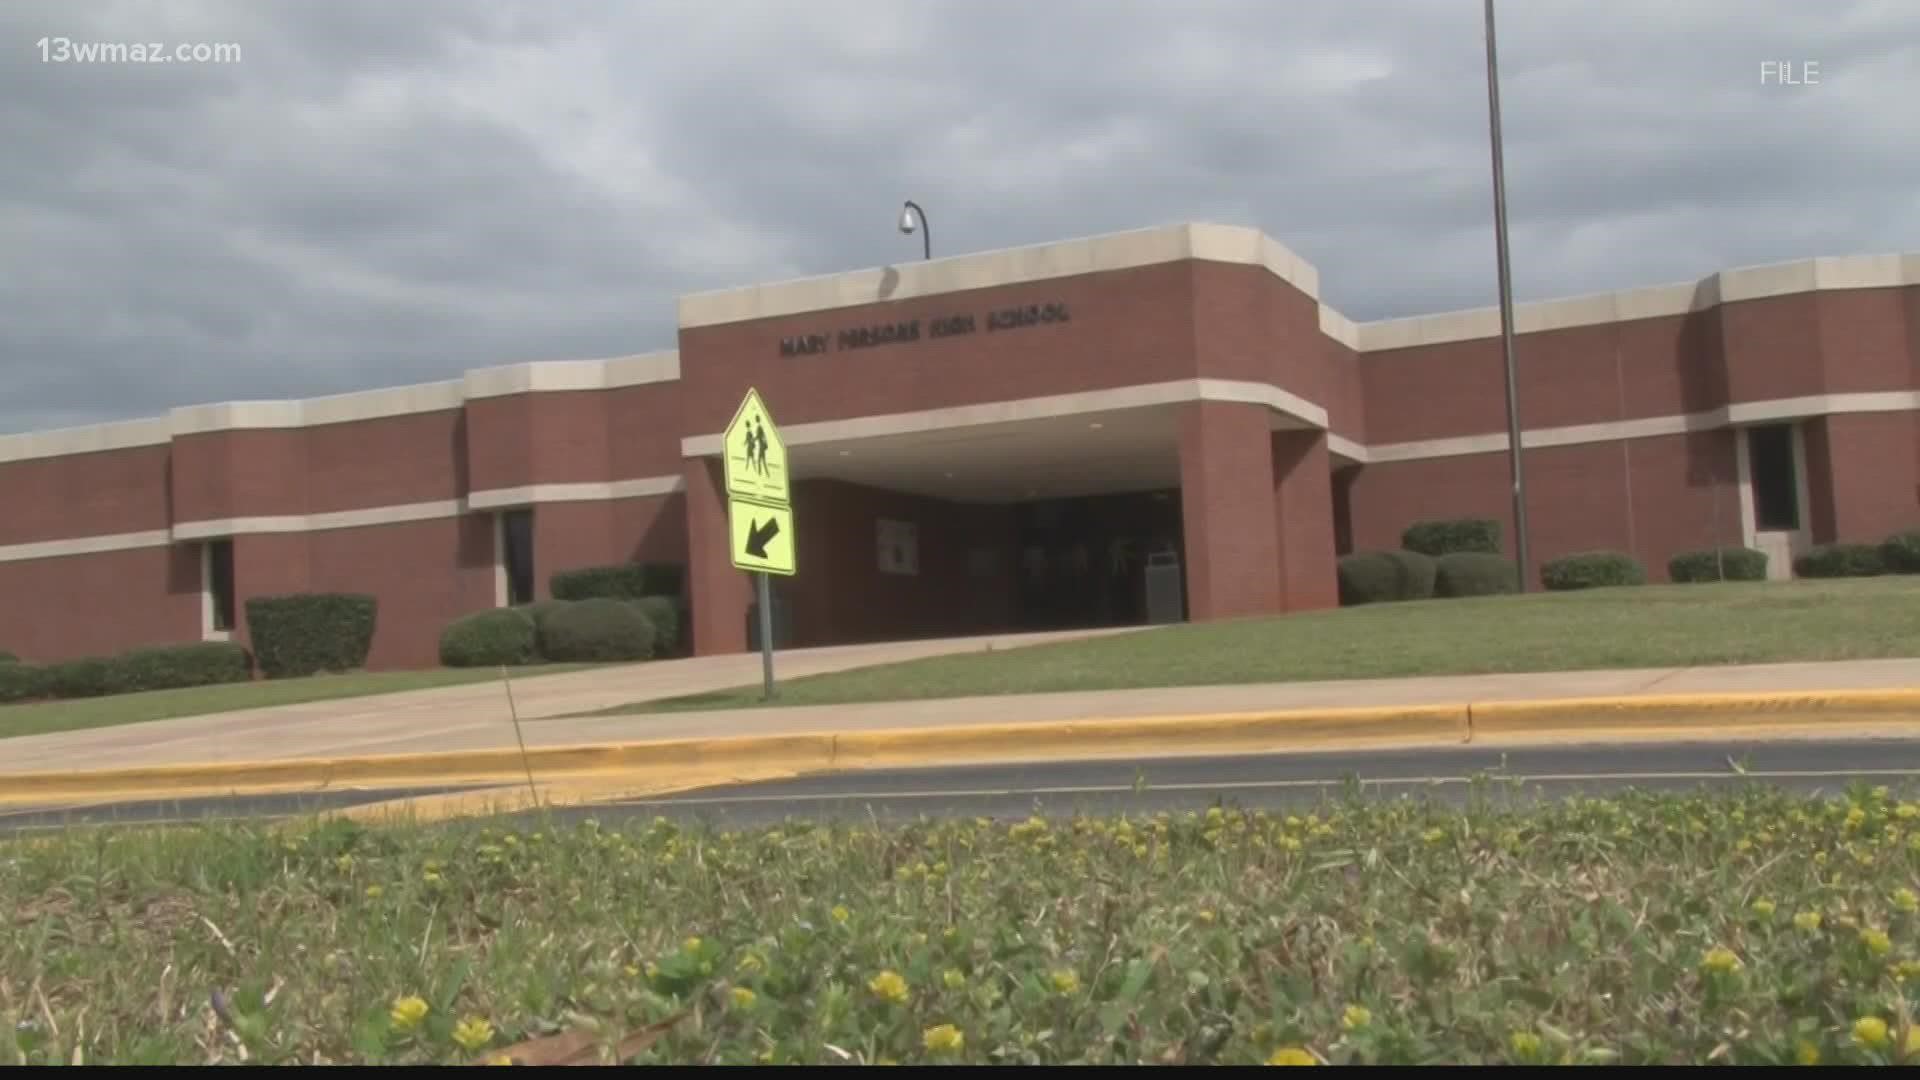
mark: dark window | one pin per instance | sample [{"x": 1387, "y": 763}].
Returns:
[
  {"x": 1776, "y": 485},
  {"x": 220, "y": 582},
  {"x": 516, "y": 535}
]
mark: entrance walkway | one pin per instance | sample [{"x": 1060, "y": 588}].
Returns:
[{"x": 453, "y": 717}]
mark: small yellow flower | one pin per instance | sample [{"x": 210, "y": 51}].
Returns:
[
  {"x": 1065, "y": 982},
  {"x": 473, "y": 1033},
  {"x": 632, "y": 972},
  {"x": 432, "y": 877},
  {"x": 1434, "y": 836},
  {"x": 943, "y": 1039},
  {"x": 407, "y": 1012},
  {"x": 1356, "y": 1017},
  {"x": 1763, "y": 908},
  {"x": 743, "y": 998},
  {"x": 692, "y": 944},
  {"x": 840, "y": 913},
  {"x": 1807, "y": 920},
  {"x": 1855, "y": 816},
  {"x": 1906, "y": 900},
  {"x": 1524, "y": 1044},
  {"x": 374, "y": 892},
  {"x": 1205, "y": 915},
  {"x": 1870, "y": 1031},
  {"x": 499, "y": 1059},
  {"x": 1876, "y": 941},
  {"x": 1907, "y": 811},
  {"x": 1720, "y": 959},
  {"x": 1806, "y": 1053},
  {"x": 1290, "y": 843},
  {"x": 888, "y": 986},
  {"x": 1291, "y": 1055}
]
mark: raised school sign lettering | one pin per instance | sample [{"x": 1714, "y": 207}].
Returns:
[{"x": 898, "y": 333}]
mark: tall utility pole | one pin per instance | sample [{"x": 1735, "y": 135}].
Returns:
[{"x": 1506, "y": 307}]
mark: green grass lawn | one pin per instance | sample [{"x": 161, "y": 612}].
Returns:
[
  {"x": 75, "y": 715},
  {"x": 1649, "y": 626},
  {"x": 1743, "y": 927}
]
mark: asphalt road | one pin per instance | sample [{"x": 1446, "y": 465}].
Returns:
[{"x": 1151, "y": 785}]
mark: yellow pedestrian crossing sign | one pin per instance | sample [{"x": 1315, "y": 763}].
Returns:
[
  {"x": 759, "y": 513},
  {"x": 762, "y": 537},
  {"x": 756, "y": 458}
]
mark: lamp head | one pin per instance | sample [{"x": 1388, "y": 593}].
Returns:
[{"x": 906, "y": 220}]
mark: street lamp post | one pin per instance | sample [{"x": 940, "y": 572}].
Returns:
[
  {"x": 1506, "y": 306},
  {"x": 910, "y": 217}
]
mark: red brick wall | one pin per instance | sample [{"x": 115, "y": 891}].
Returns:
[
  {"x": 247, "y": 473},
  {"x": 1226, "y": 499},
  {"x": 391, "y": 461},
  {"x": 1303, "y": 508},
  {"x": 1127, "y": 328},
  {"x": 1652, "y": 497},
  {"x": 99, "y": 494},
  {"x": 1862, "y": 478},
  {"x": 91, "y": 605},
  {"x": 424, "y": 574}
]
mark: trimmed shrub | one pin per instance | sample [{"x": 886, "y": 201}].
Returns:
[
  {"x": 307, "y": 633},
  {"x": 1718, "y": 564},
  {"x": 1840, "y": 560},
  {"x": 597, "y": 630},
  {"x": 1474, "y": 573},
  {"x": 663, "y": 614},
  {"x": 489, "y": 639},
  {"x": 538, "y": 611},
  {"x": 171, "y": 667},
  {"x": 91, "y": 676},
  {"x": 624, "y": 581},
  {"x": 1437, "y": 538},
  {"x": 1373, "y": 577},
  {"x": 1592, "y": 570},
  {"x": 21, "y": 682},
  {"x": 1900, "y": 553}
]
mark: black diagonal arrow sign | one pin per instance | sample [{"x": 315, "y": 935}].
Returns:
[{"x": 759, "y": 535}]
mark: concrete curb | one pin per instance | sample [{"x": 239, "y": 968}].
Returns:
[{"x": 678, "y": 761}]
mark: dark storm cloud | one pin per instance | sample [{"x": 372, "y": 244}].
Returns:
[{"x": 387, "y": 192}]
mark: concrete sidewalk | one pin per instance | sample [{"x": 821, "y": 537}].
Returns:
[{"x": 475, "y": 718}]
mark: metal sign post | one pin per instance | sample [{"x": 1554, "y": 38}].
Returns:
[{"x": 759, "y": 513}]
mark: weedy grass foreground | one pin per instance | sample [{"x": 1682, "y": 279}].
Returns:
[{"x": 1746, "y": 927}]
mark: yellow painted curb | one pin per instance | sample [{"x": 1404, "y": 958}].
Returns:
[
  {"x": 683, "y": 763},
  {"x": 1247, "y": 732},
  {"x": 1650, "y": 714}
]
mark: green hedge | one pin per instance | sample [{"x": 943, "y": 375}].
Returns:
[
  {"x": 1718, "y": 564},
  {"x": 1373, "y": 577},
  {"x": 21, "y": 682},
  {"x": 624, "y": 581},
  {"x": 1900, "y": 553},
  {"x": 8, "y": 658},
  {"x": 1840, "y": 560},
  {"x": 596, "y": 630},
  {"x": 1437, "y": 538},
  {"x": 1474, "y": 573},
  {"x": 162, "y": 667},
  {"x": 171, "y": 667},
  {"x": 1592, "y": 570},
  {"x": 489, "y": 639},
  {"x": 307, "y": 633},
  {"x": 663, "y": 614}
]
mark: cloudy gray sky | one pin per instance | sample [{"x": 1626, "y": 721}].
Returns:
[{"x": 381, "y": 192}]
